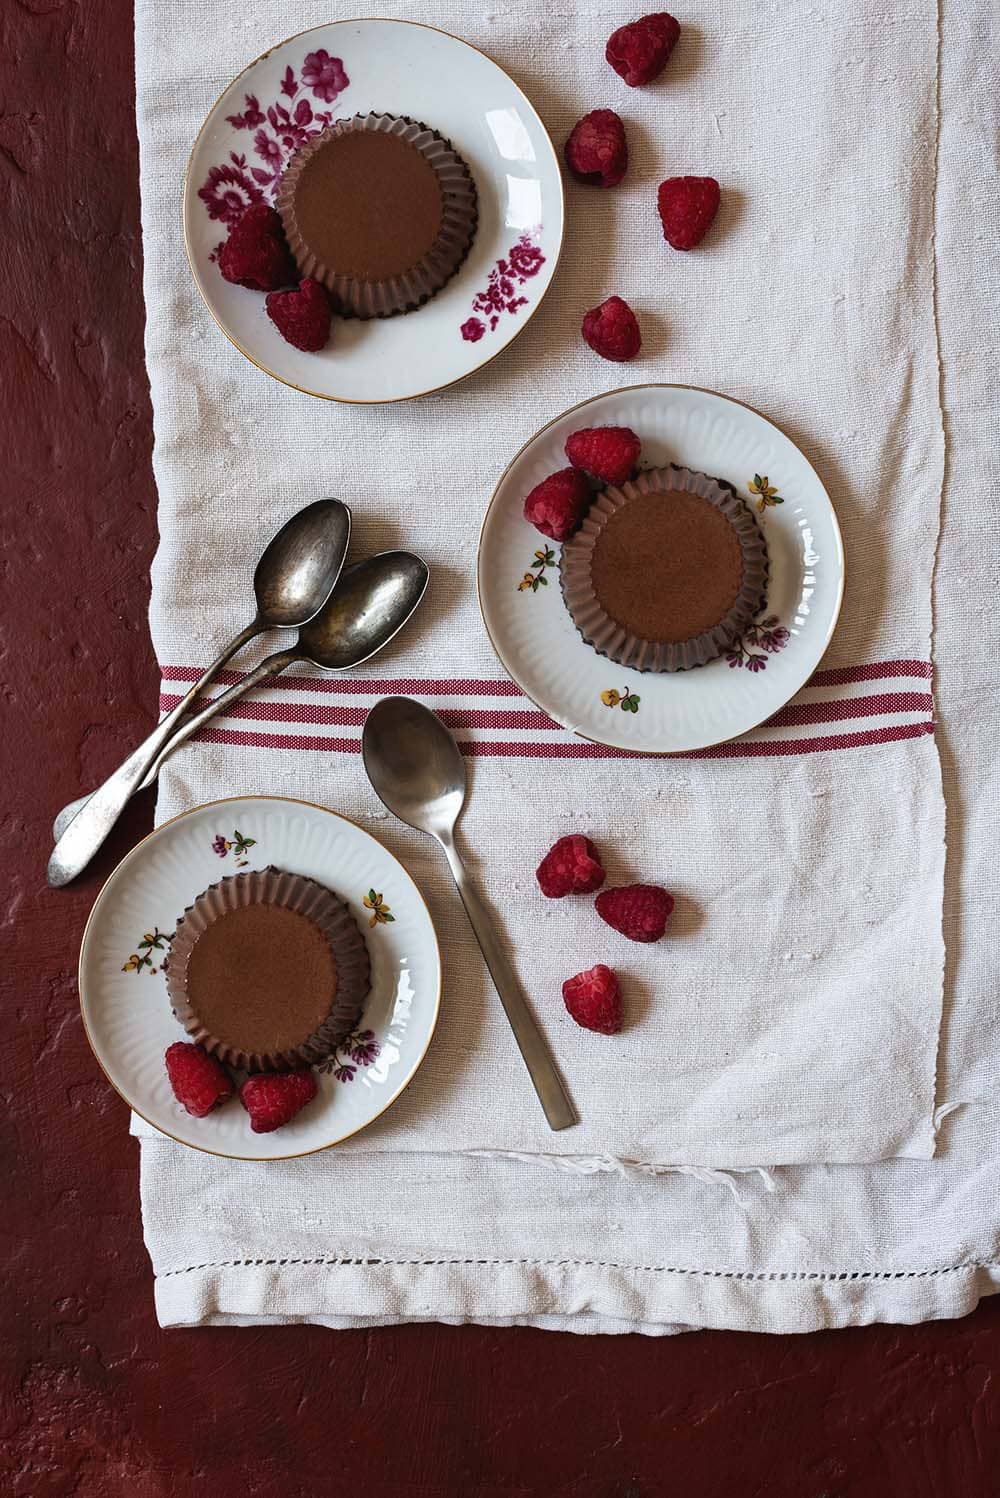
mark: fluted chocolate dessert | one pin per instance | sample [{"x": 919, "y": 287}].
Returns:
[
  {"x": 380, "y": 209},
  {"x": 267, "y": 970},
  {"x": 666, "y": 572}
]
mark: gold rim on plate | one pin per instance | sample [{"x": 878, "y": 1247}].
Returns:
[
  {"x": 391, "y": 400},
  {"x": 580, "y": 406},
  {"x": 119, "y": 867}
]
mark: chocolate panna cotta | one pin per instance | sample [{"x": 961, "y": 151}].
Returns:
[
  {"x": 267, "y": 971},
  {"x": 666, "y": 572},
  {"x": 381, "y": 210}
]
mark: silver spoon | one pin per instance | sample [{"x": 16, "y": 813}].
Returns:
[
  {"x": 293, "y": 579},
  {"x": 371, "y": 603},
  {"x": 418, "y": 772}
]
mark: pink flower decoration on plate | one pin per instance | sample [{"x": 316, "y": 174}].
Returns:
[
  {"x": 523, "y": 260},
  {"x": 250, "y": 117},
  {"x": 267, "y": 149},
  {"x": 324, "y": 74},
  {"x": 228, "y": 192},
  {"x": 231, "y": 187},
  {"x": 526, "y": 259}
]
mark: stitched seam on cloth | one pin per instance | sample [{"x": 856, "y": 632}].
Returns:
[
  {"x": 939, "y": 1112},
  {"x": 800, "y": 1275}
]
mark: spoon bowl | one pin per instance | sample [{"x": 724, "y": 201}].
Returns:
[
  {"x": 414, "y": 765},
  {"x": 299, "y": 567},
  {"x": 370, "y": 604}
]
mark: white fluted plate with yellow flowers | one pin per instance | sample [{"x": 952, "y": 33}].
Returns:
[
  {"x": 123, "y": 996},
  {"x": 604, "y": 703}
]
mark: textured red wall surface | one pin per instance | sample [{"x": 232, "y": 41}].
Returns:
[{"x": 95, "y": 1399}]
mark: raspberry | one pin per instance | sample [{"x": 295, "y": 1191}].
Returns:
[
  {"x": 594, "y": 1000},
  {"x": 198, "y": 1080},
  {"x": 272, "y": 1099},
  {"x": 687, "y": 207},
  {"x": 638, "y": 911},
  {"x": 255, "y": 254},
  {"x": 609, "y": 453},
  {"x": 638, "y": 52},
  {"x": 570, "y": 867},
  {"x": 612, "y": 331},
  {"x": 597, "y": 151},
  {"x": 556, "y": 505},
  {"x": 302, "y": 317}
]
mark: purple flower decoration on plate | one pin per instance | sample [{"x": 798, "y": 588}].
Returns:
[
  {"x": 360, "y": 1046},
  {"x": 363, "y": 1047},
  {"x": 324, "y": 75},
  {"x": 473, "y": 329},
  {"x": 220, "y": 845},
  {"x": 770, "y": 635},
  {"x": 773, "y": 640}
]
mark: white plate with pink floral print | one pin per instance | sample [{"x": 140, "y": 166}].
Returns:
[
  {"x": 123, "y": 997},
  {"x": 395, "y": 67},
  {"x": 680, "y": 711}
]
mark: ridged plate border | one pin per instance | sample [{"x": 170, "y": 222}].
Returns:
[
  {"x": 127, "y": 1015},
  {"x": 536, "y": 641}
]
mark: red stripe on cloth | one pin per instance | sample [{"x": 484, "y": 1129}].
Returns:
[
  {"x": 797, "y": 714},
  {"x": 557, "y": 749},
  {"x": 354, "y": 686},
  {"x": 745, "y": 749},
  {"x": 840, "y": 676},
  {"x": 331, "y": 715},
  {"x": 268, "y": 710}
]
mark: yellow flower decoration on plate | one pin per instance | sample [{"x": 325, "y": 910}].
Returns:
[
  {"x": 381, "y": 914},
  {"x": 766, "y": 494},
  {"x": 627, "y": 700}
]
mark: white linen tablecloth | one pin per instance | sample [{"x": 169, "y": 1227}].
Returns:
[{"x": 401, "y": 1224}]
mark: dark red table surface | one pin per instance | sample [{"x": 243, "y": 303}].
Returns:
[{"x": 95, "y": 1399}]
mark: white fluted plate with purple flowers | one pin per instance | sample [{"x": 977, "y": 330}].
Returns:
[
  {"x": 123, "y": 996},
  {"x": 403, "y": 68}
]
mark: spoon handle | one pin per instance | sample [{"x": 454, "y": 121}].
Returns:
[
  {"x": 92, "y": 824},
  {"x": 548, "y": 1084},
  {"x": 266, "y": 668},
  {"x": 272, "y": 665}
]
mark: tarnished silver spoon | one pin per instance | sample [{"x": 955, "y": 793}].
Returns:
[
  {"x": 417, "y": 771},
  {"x": 370, "y": 604},
  {"x": 295, "y": 576}
]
